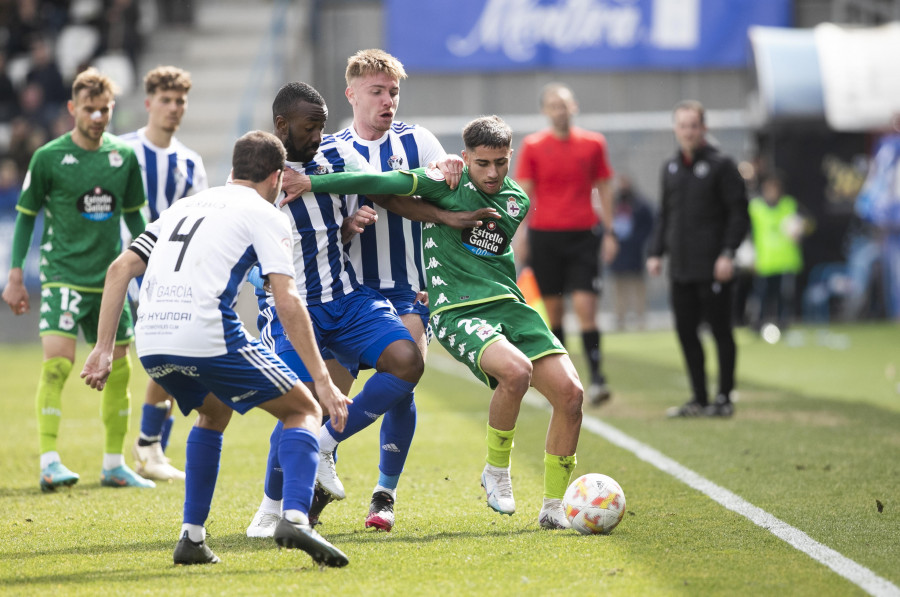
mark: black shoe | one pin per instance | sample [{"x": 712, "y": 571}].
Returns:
[
  {"x": 189, "y": 552},
  {"x": 291, "y": 535},
  {"x": 381, "y": 512},
  {"x": 321, "y": 498},
  {"x": 722, "y": 407},
  {"x": 694, "y": 408}
]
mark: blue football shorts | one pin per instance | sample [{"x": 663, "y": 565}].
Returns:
[
  {"x": 242, "y": 379},
  {"x": 354, "y": 329}
]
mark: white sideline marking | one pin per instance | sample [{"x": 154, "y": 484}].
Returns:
[{"x": 842, "y": 565}]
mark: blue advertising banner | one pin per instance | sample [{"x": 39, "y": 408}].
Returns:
[{"x": 508, "y": 35}]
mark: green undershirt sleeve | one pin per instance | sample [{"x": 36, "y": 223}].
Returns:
[
  {"x": 382, "y": 183},
  {"x": 22, "y": 235},
  {"x": 135, "y": 221}
]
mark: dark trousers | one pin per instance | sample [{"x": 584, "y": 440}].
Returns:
[
  {"x": 774, "y": 291},
  {"x": 692, "y": 304}
]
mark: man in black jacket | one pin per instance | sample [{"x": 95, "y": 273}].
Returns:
[{"x": 703, "y": 218}]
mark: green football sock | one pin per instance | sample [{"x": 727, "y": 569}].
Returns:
[
  {"x": 557, "y": 472},
  {"x": 116, "y": 405},
  {"x": 49, "y": 400},
  {"x": 499, "y": 445}
]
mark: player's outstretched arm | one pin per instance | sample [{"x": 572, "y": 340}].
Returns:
[
  {"x": 120, "y": 272},
  {"x": 295, "y": 318}
]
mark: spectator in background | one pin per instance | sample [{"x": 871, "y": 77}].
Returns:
[
  {"x": 632, "y": 223},
  {"x": 119, "y": 30},
  {"x": 702, "y": 220},
  {"x": 10, "y": 184},
  {"x": 45, "y": 72},
  {"x": 560, "y": 169},
  {"x": 777, "y": 230},
  {"x": 9, "y": 99}
]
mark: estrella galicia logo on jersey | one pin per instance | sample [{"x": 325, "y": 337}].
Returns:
[
  {"x": 395, "y": 162},
  {"x": 97, "y": 205},
  {"x": 115, "y": 159},
  {"x": 512, "y": 208},
  {"x": 485, "y": 240}
]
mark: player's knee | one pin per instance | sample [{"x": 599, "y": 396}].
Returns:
[
  {"x": 402, "y": 359},
  {"x": 570, "y": 399},
  {"x": 516, "y": 375}
]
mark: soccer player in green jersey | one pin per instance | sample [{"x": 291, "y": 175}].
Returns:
[
  {"x": 86, "y": 181},
  {"x": 478, "y": 313}
]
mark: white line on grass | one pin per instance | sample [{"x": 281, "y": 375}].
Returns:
[{"x": 855, "y": 573}]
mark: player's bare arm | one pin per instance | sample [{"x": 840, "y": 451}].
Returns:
[
  {"x": 15, "y": 294},
  {"x": 99, "y": 363},
  {"x": 298, "y": 326},
  {"x": 604, "y": 191}
]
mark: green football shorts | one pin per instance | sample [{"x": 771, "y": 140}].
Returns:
[
  {"x": 64, "y": 310},
  {"x": 465, "y": 332}
]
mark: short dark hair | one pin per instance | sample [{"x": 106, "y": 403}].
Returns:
[
  {"x": 487, "y": 131},
  {"x": 256, "y": 155},
  {"x": 693, "y": 105},
  {"x": 292, "y": 94}
]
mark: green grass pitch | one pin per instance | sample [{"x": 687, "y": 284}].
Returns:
[{"x": 815, "y": 442}]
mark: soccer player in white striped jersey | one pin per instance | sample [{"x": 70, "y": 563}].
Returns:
[
  {"x": 355, "y": 326},
  {"x": 388, "y": 254},
  {"x": 171, "y": 171}
]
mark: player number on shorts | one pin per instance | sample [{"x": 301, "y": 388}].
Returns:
[
  {"x": 69, "y": 299},
  {"x": 183, "y": 238}
]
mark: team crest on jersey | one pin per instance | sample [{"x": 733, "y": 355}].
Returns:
[
  {"x": 115, "y": 159},
  {"x": 66, "y": 321},
  {"x": 701, "y": 169},
  {"x": 321, "y": 169},
  {"x": 512, "y": 208},
  {"x": 434, "y": 174},
  {"x": 395, "y": 162},
  {"x": 97, "y": 205}
]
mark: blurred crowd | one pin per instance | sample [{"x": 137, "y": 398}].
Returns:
[{"x": 43, "y": 45}]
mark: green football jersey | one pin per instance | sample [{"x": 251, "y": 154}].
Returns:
[
  {"x": 83, "y": 194},
  {"x": 474, "y": 265}
]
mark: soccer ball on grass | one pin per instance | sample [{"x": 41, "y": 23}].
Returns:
[{"x": 594, "y": 504}]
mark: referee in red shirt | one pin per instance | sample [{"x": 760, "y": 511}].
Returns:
[{"x": 565, "y": 171}]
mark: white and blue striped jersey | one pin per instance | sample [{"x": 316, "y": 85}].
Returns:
[
  {"x": 169, "y": 173},
  {"x": 324, "y": 271},
  {"x": 388, "y": 254},
  {"x": 198, "y": 254}
]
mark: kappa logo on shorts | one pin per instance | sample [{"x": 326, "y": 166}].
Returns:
[
  {"x": 451, "y": 340},
  {"x": 471, "y": 356},
  {"x": 442, "y": 333}
]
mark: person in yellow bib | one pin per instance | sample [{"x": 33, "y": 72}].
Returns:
[{"x": 777, "y": 230}]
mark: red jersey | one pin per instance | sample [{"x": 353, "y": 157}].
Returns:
[{"x": 563, "y": 172}]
